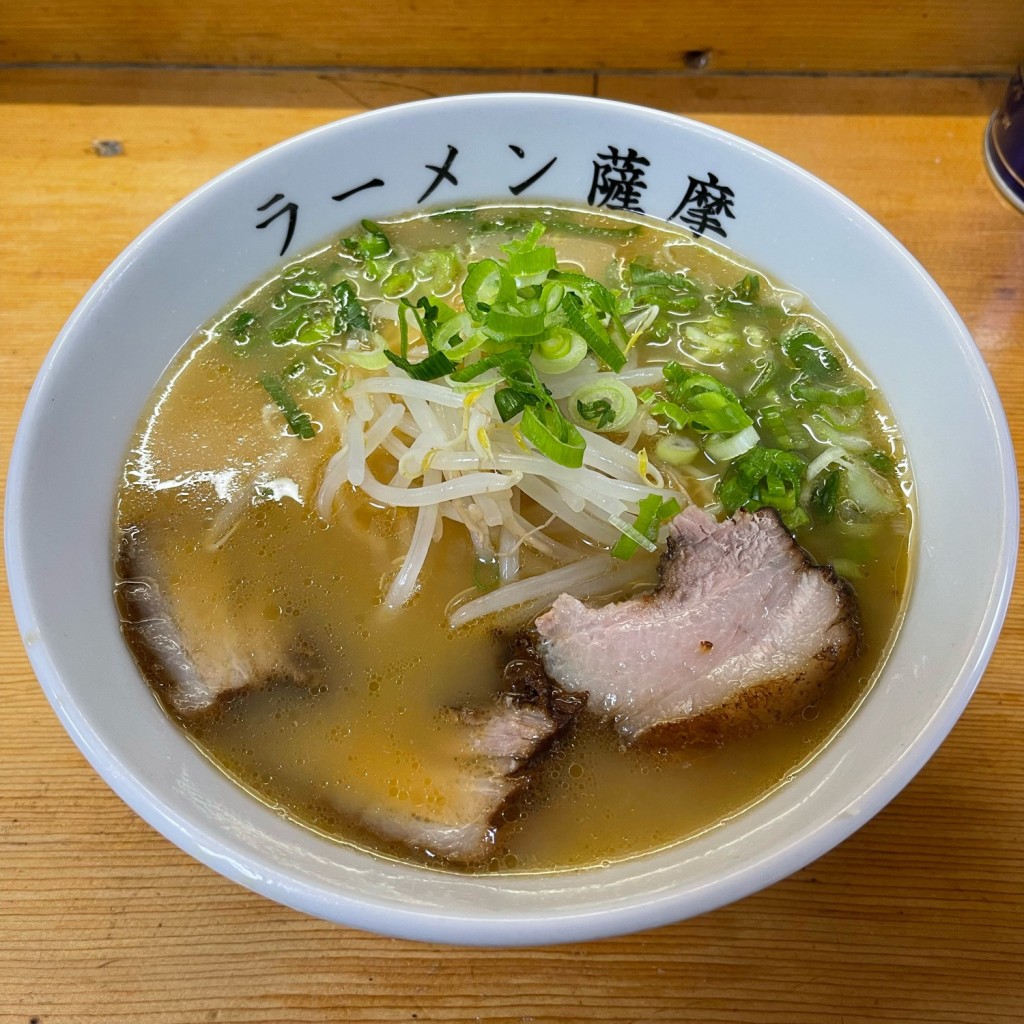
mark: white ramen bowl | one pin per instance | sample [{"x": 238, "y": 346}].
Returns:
[{"x": 194, "y": 260}]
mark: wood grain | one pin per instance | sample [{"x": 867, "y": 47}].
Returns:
[
  {"x": 743, "y": 36},
  {"x": 916, "y": 919}
]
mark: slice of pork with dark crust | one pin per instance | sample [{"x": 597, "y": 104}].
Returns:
[
  {"x": 487, "y": 758},
  {"x": 742, "y": 630},
  {"x": 190, "y": 643}
]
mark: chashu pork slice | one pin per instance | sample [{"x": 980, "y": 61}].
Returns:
[
  {"x": 742, "y": 630},
  {"x": 452, "y": 803},
  {"x": 191, "y": 640}
]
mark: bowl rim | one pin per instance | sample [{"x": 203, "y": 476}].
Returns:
[{"x": 533, "y": 927}]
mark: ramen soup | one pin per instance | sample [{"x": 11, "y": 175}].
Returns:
[{"x": 355, "y": 495}]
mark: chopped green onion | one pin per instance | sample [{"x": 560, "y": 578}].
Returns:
[
  {"x": 588, "y": 290},
  {"x": 767, "y": 375},
  {"x": 676, "y": 450},
  {"x": 306, "y": 288},
  {"x": 741, "y": 295},
  {"x": 532, "y": 263},
  {"x": 403, "y": 333},
  {"x": 705, "y": 402},
  {"x": 706, "y": 347},
  {"x": 520, "y": 374},
  {"x": 299, "y": 422},
  {"x": 588, "y": 327},
  {"x": 596, "y": 414},
  {"x": 606, "y": 405},
  {"x": 348, "y": 311},
  {"x": 366, "y": 358},
  {"x": 510, "y": 403},
  {"x": 631, "y": 539},
  {"x": 668, "y": 509},
  {"x": 553, "y": 435},
  {"x": 370, "y": 245},
  {"x": 524, "y": 387},
  {"x": 676, "y": 414},
  {"x": 748, "y": 289},
  {"x": 487, "y": 283},
  {"x": 765, "y": 477},
  {"x": 437, "y": 364},
  {"x": 506, "y": 325},
  {"x": 844, "y": 420},
  {"x": 295, "y": 370},
  {"x": 652, "y": 511},
  {"x": 724, "y": 449},
  {"x": 826, "y": 494},
  {"x": 645, "y": 277},
  {"x": 757, "y": 337},
  {"x": 551, "y": 296},
  {"x": 786, "y": 428},
  {"x": 852, "y": 394},
  {"x": 823, "y": 429},
  {"x": 244, "y": 320},
  {"x": 400, "y": 281},
  {"x": 429, "y": 316},
  {"x": 673, "y": 291},
  {"x": 881, "y": 462},
  {"x": 308, "y": 324},
  {"x": 306, "y": 331},
  {"x": 811, "y": 356},
  {"x": 559, "y": 351},
  {"x": 449, "y": 334},
  {"x": 526, "y": 244},
  {"x": 437, "y": 267},
  {"x": 868, "y": 491},
  {"x": 472, "y": 370}
]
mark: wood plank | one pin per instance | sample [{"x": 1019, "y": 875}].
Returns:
[
  {"x": 791, "y": 35},
  {"x": 913, "y": 920},
  {"x": 336, "y": 93}
]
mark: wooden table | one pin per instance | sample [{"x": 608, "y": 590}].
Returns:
[{"x": 917, "y": 917}]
